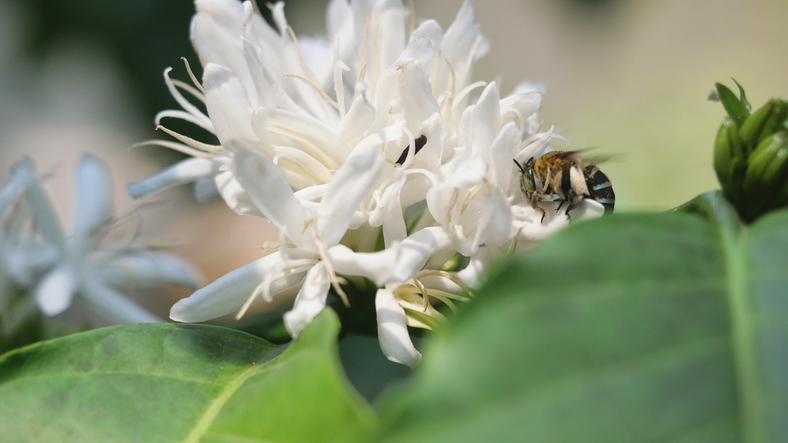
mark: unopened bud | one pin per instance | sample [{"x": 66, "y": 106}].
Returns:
[
  {"x": 729, "y": 158},
  {"x": 766, "y": 175},
  {"x": 764, "y": 122}
]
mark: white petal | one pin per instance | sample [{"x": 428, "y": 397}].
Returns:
[
  {"x": 415, "y": 250},
  {"x": 216, "y": 31},
  {"x": 45, "y": 216},
  {"x": 502, "y": 151},
  {"x": 345, "y": 192},
  {"x": 56, "y": 290},
  {"x": 234, "y": 194},
  {"x": 93, "y": 207},
  {"x": 310, "y": 301},
  {"x": 205, "y": 189},
  {"x": 228, "y": 105},
  {"x": 151, "y": 269},
  {"x": 115, "y": 305},
  {"x": 229, "y": 292},
  {"x": 375, "y": 266},
  {"x": 183, "y": 172},
  {"x": 393, "y": 334},
  {"x": 22, "y": 174},
  {"x": 485, "y": 121},
  {"x": 269, "y": 191}
]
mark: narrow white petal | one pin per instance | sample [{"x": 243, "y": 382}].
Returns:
[
  {"x": 375, "y": 266},
  {"x": 93, "y": 207},
  {"x": 205, "y": 189},
  {"x": 502, "y": 151},
  {"x": 22, "y": 174},
  {"x": 151, "y": 269},
  {"x": 393, "y": 334},
  {"x": 228, "y": 105},
  {"x": 216, "y": 31},
  {"x": 234, "y": 194},
  {"x": 268, "y": 190},
  {"x": 115, "y": 305},
  {"x": 56, "y": 290},
  {"x": 45, "y": 216},
  {"x": 415, "y": 250},
  {"x": 310, "y": 301},
  {"x": 350, "y": 185},
  {"x": 229, "y": 292}
]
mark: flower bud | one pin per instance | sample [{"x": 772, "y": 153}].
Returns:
[
  {"x": 765, "y": 178},
  {"x": 729, "y": 157},
  {"x": 763, "y": 122}
]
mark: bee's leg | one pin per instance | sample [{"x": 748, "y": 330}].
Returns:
[
  {"x": 535, "y": 198},
  {"x": 572, "y": 205},
  {"x": 561, "y": 203}
]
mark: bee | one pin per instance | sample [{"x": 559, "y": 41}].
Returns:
[{"x": 565, "y": 177}]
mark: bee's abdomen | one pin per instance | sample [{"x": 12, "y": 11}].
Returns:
[{"x": 599, "y": 187}]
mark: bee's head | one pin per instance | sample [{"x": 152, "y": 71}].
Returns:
[{"x": 527, "y": 180}]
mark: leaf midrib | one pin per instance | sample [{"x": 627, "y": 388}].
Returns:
[
  {"x": 734, "y": 245},
  {"x": 205, "y": 421}
]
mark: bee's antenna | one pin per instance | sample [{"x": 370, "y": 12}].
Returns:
[{"x": 518, "y": 165}]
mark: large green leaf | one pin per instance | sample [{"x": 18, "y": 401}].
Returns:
[
  {"x": 181, "y": 383},
  {"x": 631, "y": 328}
]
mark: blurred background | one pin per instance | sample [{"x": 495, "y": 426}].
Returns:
[{"x": 631, "y": 78}]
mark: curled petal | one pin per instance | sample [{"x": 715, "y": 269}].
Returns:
[
  {"x": 415, "y": 250},
  {"x": 56, "y": 290},
  {"x": 345, "y": 192},
  {"x": 310, "y": 301},
  {"x": 268, "y": 190},
  {"x": 229, "y": 292},
  {"x": 234, "y": 194},
  {"x": 375, "y": 266},
  {"x": 186, "y": 171},
  {"x": 393, "y": 334}
]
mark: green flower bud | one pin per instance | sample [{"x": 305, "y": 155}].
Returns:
[
  {"x": 765, "y": 178},
  {"x": 729, "y": 157},
  {"x": 764, "y": 122}
]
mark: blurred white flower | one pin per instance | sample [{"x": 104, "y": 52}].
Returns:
[
  {"x": 54, "y": 267},
  {"x": 367, "y": 136}
]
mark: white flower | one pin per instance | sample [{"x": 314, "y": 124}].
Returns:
[
  {"x": 82, "y": 266},
  {"x": 368, "y": 133}
]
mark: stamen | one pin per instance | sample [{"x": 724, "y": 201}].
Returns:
[
  {"x": 339, "y": 84},
  {"x": 375, "y": 59},
  {"x": 191, "y": 74},
  {"x": 361, "y": 73},
  {"x": 190, "y": 89},
  {"x": 450, "y": 101},
  {"x": 191, "y": 142},
  {"x": 318, "y": 89},
  {"x": 436, "y": 71},
  {"x": 362, "y": 56},
  {"x": 455, "y": 195},
  {"x": 265, "y": 287},
  {"x": 175, "y": 147},
  {"x": 335, "y": 282},
  {"x": 470, "y": 196},
  {"x": 447, "y": 275},
  {"x": 269, "y": 245}
]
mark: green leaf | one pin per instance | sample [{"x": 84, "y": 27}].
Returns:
[
  {"x": 630, "y": 328},
  {"x": 737, "y": 109},
  {"x": 181, "y": 383}
]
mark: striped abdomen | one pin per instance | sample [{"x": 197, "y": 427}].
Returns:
[{"x": 599, "y": 187}]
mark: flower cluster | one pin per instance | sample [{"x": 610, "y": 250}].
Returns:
[
  {"x": 41, "y": 268},
  {"x": 370, "y": 150}
]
